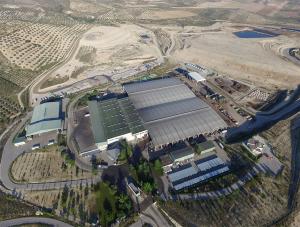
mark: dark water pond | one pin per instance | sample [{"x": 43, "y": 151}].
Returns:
[{"x": 251, "y": 34}]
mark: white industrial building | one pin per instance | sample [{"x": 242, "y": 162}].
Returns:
[{"x": 196, "y": 77}]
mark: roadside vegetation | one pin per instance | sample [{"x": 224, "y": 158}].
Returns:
[
  {"x": 111, "y": 205},
  {"x": 139, "y": 169},
  {"x": 54, "y": 81},
  {"x": 12, "y": 208}
]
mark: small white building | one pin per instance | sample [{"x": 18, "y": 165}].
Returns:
[
  {"x": 19, "y": 142},
  {"x": 254, "y": 146},
  {"x": 133, "y": 187},
  {"x": 196, "y": 77}
]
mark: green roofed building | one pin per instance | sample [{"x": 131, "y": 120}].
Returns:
[
  {"x": 113, "y": 119},
  {"x": 180, "y": 155},
  {"x": 46, "y": 117},
  {"x": 205, "y": 147}
]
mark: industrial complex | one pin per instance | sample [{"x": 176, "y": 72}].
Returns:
[{"x": 171, "y": 112}]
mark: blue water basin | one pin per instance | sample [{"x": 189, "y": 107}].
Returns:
[{"x": 252, "y": 34}]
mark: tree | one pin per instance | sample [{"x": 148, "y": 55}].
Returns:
[
  {"x": 64, "y": 195},
  {"x": 158, "y": 167},
  {"x": 129, "y": 151},
  {"x": 86, "y": 191},
  {"x": 124, "y": 203},
  {"x": 147, "y": 187}
]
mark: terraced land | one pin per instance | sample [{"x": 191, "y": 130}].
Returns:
[
  {"x": 31, "y": 42},
  {"x": 38, "y": 46}
]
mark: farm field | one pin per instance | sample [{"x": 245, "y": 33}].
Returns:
[
  {"x": 83, "y": 203},
  {"x": 38, "y": 46},
  {"x": 44, "y": 166},
  {"x": 71, "y": 202}
]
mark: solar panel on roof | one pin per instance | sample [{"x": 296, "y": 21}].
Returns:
[{"x": 200, "y": 178}]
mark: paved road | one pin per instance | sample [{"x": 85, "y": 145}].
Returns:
[
  {"x": 153, "y": 217},
  {"x": 70, "y": 138},
  {"x": 10, "y": 153},
  {"x": 286, "y": 55},
  {"x": 42, "y": 77},
  {"x": 33, "y": 220}
]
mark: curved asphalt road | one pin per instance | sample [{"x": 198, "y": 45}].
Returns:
[
  {"x": 33, "y": 220},
  {"x": 10, "y": 153}
]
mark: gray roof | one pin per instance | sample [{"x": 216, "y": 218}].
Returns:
[
  {"x": 113, "y": 154},
  {"x": 150, "y": 85},
  {"x": 45, "y": 111},
  {"x": 171, "y": 111},
  {"x": 46, "y": 117},
  {"x": 174, "y": 129},
  {"x": 160, "y": 96},
  {"x": 200, "y": 178},
  {"x": 197, "y": 76},
  {"x": 113, "y": 117},
  {"x": 181, "y": 153},
  {"x": 182, "y": 172}
]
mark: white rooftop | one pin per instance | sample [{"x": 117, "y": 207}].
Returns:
[{"x": 197, "y": 76}]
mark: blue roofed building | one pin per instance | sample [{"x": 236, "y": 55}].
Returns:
[{"x": 197, "y": 172}]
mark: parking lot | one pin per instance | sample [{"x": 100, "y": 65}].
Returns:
[
  {"x": 38, "y": 141},
  {"x": 83, "y": 132}
]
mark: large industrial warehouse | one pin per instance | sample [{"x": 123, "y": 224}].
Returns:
[
  {"x": 46, "y": 117},
  {"x": 113, "y": 119},
  {"x": 171, "y": 112}
]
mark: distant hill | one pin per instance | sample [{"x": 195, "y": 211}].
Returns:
[{"x": 55, "y": 5}]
